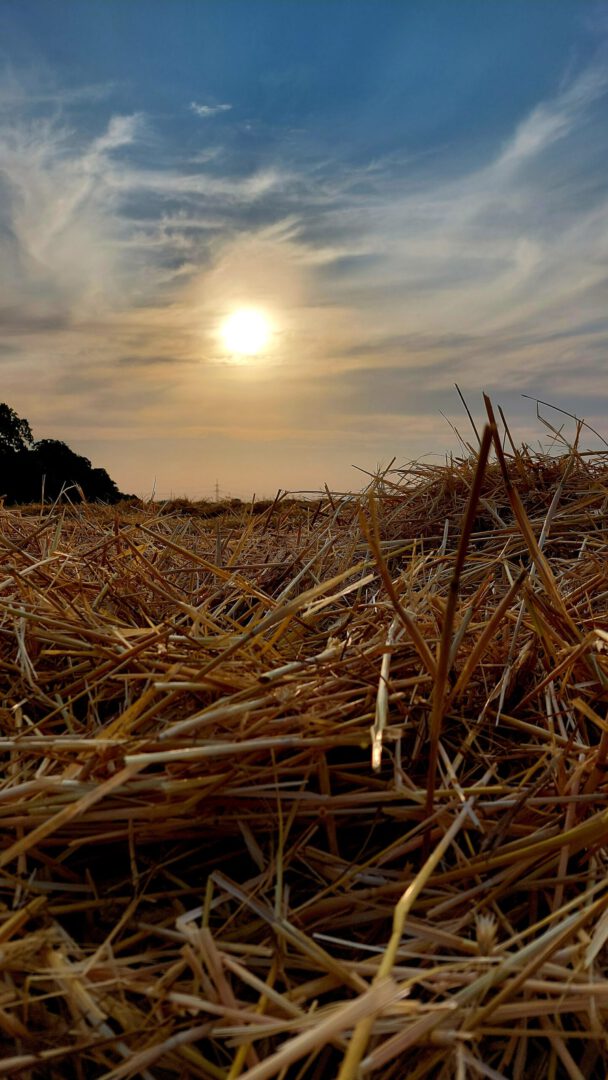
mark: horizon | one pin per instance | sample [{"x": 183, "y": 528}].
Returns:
[{"x": 257, "y": 243}]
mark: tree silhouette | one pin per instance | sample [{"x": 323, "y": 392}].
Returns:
[
  {"x": 15, "y": 434},
  {"x": 47, "y": 468}
]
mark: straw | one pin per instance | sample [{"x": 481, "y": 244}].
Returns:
[{"x": 315, "y": 787}]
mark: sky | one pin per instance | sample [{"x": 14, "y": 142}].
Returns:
[{"x": 414, "y": 194}]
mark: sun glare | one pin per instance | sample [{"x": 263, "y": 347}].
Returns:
[{"x": 246, "y": 332}]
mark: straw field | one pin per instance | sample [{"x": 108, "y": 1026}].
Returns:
[{"x": 314, "y": 792}]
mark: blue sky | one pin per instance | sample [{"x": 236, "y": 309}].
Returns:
[{"x": 415, "y": 194}]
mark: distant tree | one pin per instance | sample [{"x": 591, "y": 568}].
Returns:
[
  {"x": 28, "y": 468},
  {"x": 59, "y": 468},
  {"x": 62, "y": 469},
  {"x": 58, "y": 454},
  {"x": 101, "y": 486},
  {"x": 15, "y": 433}
]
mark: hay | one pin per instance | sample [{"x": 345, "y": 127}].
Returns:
[{"x": 314, "y": 791}]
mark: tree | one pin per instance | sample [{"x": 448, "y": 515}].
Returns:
[
  {"x": 28, "y": 469},
  {"x": 15, "y": 433},
  {"x": 101, "y": 486},
  {"x": 62, "y": 469}
]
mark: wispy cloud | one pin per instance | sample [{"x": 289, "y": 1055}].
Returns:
[
  {"x": 554, "y": 120},
  {"x": 60, "y": 225},
  {"x": 204, "y": 111},
  {"x": 117, "y": 259},
  {"x": 38, "y": 88},
  {"x": 507, "y": 250}
]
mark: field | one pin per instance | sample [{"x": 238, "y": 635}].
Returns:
[{"x": 311, "y": 789}]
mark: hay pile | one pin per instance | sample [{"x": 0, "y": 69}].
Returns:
[{"x": 314, "y": 792}]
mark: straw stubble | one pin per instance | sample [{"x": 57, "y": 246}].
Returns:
[{"x": 316, "y": 791}]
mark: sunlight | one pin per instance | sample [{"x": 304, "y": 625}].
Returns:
[{"x": 246, "y": 332}]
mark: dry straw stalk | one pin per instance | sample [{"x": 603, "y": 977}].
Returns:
[{"x": 317, "y": 791}]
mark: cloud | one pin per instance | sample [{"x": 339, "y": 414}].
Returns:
[
  {"x": 516, "y": 247},
  {"x": 38, "y": 88},
  {"x": 552, "y": 121},
  {"x": 147, "y": 360},
  {"x": 121, "y": 131},
  {"x": 93, "y": 225},
  {"x": 60, "y": 226},
  {"x": 199, "y": 184},
  {"x": 118, "y": 258},
  {"x": 205, "y": 111}
]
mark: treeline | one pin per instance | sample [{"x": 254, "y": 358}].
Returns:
[{"x": 31, "y": 470}]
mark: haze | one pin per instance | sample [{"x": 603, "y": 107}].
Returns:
[{"x": 413, "y": 195}]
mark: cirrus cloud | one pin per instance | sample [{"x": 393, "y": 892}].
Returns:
[
  {"x": 204, "y": 111},
  {"x": 117, "y": 257}
]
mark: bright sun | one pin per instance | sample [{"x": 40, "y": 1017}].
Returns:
[{"x": 246, "y": 332}]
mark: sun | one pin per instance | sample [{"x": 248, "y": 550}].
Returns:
[{"x": 246, "y": 332}]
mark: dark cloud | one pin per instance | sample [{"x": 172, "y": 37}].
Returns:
[
  {"x": 592, "y": 336},
  {"x": 22, "y": 320},
  {"x": 385, "y": 390},
  {"x": 409, "y": 391},
  {"x": 404, "y": 344},
  {"x": 150, "y": 361}
]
